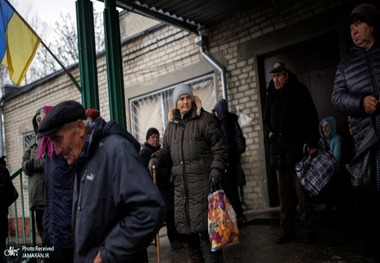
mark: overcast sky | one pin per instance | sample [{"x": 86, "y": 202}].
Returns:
[{"x": 49, "y": 10}]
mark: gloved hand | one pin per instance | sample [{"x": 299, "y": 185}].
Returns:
[
  {"x": 216, "y": 176},
  {"x": 29, "y": 165},
  {"x": 153, "y": 162}
]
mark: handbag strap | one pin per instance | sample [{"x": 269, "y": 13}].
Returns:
[{"x": 215, "y": 187}]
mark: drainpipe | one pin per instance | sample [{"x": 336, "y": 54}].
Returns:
[{"x": 201, "y": 41}]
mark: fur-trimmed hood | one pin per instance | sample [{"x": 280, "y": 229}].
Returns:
[{"x": 198, "y": 103}]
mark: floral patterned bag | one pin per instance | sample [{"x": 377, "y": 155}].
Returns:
[{"x": 222, "y": 224}]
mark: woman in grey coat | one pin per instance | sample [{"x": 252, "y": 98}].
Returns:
[
  {"x": 195, "y": 147},
  {"x": 34, "y": 169}
]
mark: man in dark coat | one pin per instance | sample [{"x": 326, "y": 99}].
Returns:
[
  {"x": 164, "y": 184},
  {"x": 117, "y": 209},
  {"x": 290, "y": 122}
]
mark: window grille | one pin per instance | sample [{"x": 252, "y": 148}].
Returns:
[
  {"x": 152, "y": 110},
  {"x": 27, "y": 138}
]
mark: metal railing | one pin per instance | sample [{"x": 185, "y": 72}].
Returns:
[{"x": 22, "y": 235}]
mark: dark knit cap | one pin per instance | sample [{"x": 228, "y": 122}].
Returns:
[
  {"x": 150, "y": 132},
  {"x": 63, "y": 113},
  {"x": 366, "y": 12}
]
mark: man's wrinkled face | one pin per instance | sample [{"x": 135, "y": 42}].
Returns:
[
  {"x": 361, "y": 34},
  {"x": 69, "y": 140},
  {"x": 279, "y": 79},
  {"x": 184, "y": 104}
]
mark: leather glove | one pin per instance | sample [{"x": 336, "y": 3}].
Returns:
[
  {"x": 216, "y": 176},
  {"x": 153, "y": 162}
]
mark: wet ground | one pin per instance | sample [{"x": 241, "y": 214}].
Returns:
[{"x": 339, "y": 241}]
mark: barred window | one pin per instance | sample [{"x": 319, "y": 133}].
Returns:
[
  {"x": 27, "y": 138},
  {"x": 152, "y": 110}
]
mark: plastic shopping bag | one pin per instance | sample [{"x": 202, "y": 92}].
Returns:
[
  {"x": 222, "y": 224},
  {"x": 314, "y": 172}
]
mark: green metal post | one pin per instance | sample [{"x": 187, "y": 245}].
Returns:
[
  {"x": 114, "y": 63},
  {"x": 87, "y": 54}
]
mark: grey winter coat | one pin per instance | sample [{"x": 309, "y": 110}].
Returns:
[
  {"x": 194, "y": 145},
  {"x": 34, "y": 168}
]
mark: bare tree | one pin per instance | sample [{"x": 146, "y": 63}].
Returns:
[
  {"x": 40, "y": 27},
  {"x": 62, "y": 41},
  {"x": 65, "y": 45}
]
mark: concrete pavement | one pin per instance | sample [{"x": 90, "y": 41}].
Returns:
[{"x": 340, "y": 241}]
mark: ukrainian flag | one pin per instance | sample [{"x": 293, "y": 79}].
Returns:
[{"x": 18, "y": 42}]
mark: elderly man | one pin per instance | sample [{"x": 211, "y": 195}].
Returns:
[
  {"x": 290, "y": 122},
  {"x": 117, "y": 210}
]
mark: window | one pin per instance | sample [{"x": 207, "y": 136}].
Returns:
[
  {"x": 152, "y": 110},
  {"x": 27, "y": 138}
]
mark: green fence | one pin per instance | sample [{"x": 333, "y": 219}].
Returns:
[{"x": 21, "y": 228}]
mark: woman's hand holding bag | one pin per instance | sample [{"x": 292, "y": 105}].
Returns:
[{"x": 222, "y": 224}]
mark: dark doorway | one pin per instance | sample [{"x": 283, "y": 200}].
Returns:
[{"x": 314, "y": 63}]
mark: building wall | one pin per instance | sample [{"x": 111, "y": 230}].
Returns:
[
  {"x": 167, "y": 55},
  {"x": 227, "y": 41},
  {"x": 131, "y": 26}
]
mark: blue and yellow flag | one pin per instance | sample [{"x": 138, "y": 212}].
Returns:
[{"x": 18, "y": 42}]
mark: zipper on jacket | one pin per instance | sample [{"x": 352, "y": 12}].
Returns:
[{"x": 185, "y": 178}]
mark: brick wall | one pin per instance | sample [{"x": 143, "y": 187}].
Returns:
[{"x": 169, "y": 51}]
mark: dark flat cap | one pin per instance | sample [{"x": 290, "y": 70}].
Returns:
[
  {"x": 279, "y": 67},
  {"x": 63, "y": 113}
]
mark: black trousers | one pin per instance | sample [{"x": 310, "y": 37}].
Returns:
[{"x": 194, "y": 249}]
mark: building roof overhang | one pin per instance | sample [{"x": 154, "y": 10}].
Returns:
[{"x": 188, "y": 15}]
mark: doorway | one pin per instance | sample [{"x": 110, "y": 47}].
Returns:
[{"x": 314, "y": 63}]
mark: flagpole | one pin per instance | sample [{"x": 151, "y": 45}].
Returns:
[
  {"x": 63, "y": 67},
  {"x": 48, "y": 49}
]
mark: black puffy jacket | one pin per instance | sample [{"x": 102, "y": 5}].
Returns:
[
  {"x": 357, "y": 76},
  {"x": 194, "y": 145}
]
